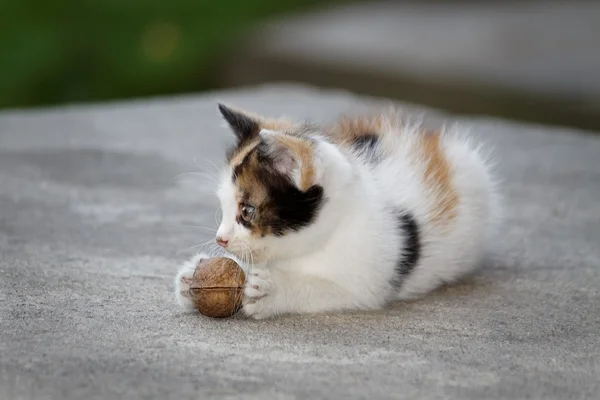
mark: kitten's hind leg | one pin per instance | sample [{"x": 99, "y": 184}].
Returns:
[{"x": 183, "y": 280}]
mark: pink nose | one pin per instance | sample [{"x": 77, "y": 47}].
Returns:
[{"x": 222, "y": 242}]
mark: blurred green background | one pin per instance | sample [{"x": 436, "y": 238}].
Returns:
[
  {"x": 55, "y": 51},
  {"x": 75, "y": 51}
]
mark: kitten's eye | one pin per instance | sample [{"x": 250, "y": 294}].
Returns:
[{"x": 247, "y": 212}]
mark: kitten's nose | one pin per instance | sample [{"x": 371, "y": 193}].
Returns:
[{"x": 222, "y": 242}]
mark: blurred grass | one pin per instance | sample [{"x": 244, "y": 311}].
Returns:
[{"x": 60, "y": 51}]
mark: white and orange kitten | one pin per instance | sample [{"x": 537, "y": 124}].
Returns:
[{"x": 350, "y": 216}]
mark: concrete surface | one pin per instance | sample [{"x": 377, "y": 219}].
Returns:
[
  {"x": 95, "y": 215},
  {"x": 536, "y": 60}
]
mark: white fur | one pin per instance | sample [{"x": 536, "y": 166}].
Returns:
[
  {"x": 183, "y": 280},
  {"x": 347, "y": 258}
]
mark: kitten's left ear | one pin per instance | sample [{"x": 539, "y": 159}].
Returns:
[
  {"x": 291, "y": 157},
  {"x": 244, "y": 126}
]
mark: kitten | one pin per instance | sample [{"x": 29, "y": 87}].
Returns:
[{"x": 350, "y": 216}]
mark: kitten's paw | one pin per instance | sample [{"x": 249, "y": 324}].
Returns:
[
  {"x": 257, "y": 302},
  {"x": 184, "y": 279},
  {"x": 258, "y": 284}
]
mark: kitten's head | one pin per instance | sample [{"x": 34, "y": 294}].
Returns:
[{"x": 271, "y": 191}]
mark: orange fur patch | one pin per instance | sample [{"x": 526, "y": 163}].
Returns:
[
  {"x": 348, "y": 129},
  {"x": 438, "y": 175},
  {"x": 277, "y": 125},
  {"x": 302, "y": 150},
  {"x": 241, "y": 152}
]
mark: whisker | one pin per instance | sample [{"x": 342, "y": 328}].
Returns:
[
  {"x": 202, "y": 172},
  {"x": 204, "y": 180},
  {"x": 211, "y": 164},
  {"x": 208, "y": 242},
  {"x": 215, "y": 215},
  {"x": 251, "y": 257},
  {"x": 211, "y": 252},
  {"x": 193, "y": 174},
  {"x": 217, "y": 169},
  {"x": 178, "y": 225},
  {"x": 244, "y": 258},
  {"x": 204, "y": 228}
]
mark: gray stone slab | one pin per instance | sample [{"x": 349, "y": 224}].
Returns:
[
  {"x": 536, "y": 60},
  {"x": 95, "y": 214}
]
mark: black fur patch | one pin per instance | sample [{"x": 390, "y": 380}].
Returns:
[
  {"x": 243, "y": 222},
  {"x": 293, "y": 209},
  {"x": 411, "y": 247},
  {"x": 368, "y": 143},
  {"x": 244, "y": 127}
]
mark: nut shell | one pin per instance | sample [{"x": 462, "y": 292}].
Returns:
[{"x": 218, "y": 287}]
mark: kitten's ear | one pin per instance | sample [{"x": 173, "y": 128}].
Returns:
[
  {"x": 283, "y": 159},
  {"x": 291, "y": 157},
  {"x": 244, "y": 126}
]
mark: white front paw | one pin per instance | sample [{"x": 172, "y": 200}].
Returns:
[
  {"x": 184, "y": 279},
  {"x": 257, "y": 300}
]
